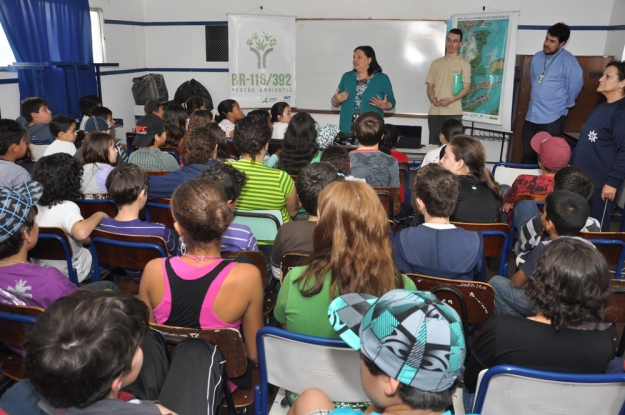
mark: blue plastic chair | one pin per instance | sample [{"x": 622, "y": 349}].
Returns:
[
  {"x": 264, "y": 224},
  {"x": 604, "y": 246},
  {"x": 53, "y": 244},
  {"x": 512, "y": 390},
  {"x": 299, "y": 362},
  {"x": 515, "y": 169}
]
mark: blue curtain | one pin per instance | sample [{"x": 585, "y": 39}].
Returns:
[{"x": 51, "y": 31}]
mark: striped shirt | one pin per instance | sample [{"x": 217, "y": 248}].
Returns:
[
  {"x": 140, "y": 228},
  {"x": 266, "y": 188},
  {"x": 238, "y": 238},
  {"x": 153, "y": 159}
]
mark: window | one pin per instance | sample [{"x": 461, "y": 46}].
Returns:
[
  {"x": 6, "y": 54},
  {"x": 97, "y": 36}
]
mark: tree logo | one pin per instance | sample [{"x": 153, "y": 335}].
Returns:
[{"x": 264, "y": 44}]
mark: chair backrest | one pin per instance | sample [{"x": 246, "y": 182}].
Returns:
[
  {"x": 257, "y": 257},
  {"x": 54, "y": 244},
  {"x": 539, "y": 199},
  {"x": 15, "y": 321},
  {"x": 479, "y": 297},
  {"x": 89, "y": 206},
  {"x": 496, "y": 238},
  {"x": 289, "y": 261},
  {"x": 390, "y": 198},
  {"x": 264, "y": 224},
  {"x": 298, "y": 362},
  {"x": 404, "y": 178},
  {"x": 159, "y": 211},
  {"x": 39, "y": 147},
  {"x": 125, "y": 251},
  {"x": 173, "y": 151},
  {"x": 611, "y": 245},
  {"x": 228, "y": 341},
  {"x": 157, "y": 172},
  {"x": 515, "y": 390},
  {"x": 506, "y": 173},
  {"x": 615, "y": 313}
]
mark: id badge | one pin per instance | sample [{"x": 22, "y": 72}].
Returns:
[{"x": 540, "y": 79}]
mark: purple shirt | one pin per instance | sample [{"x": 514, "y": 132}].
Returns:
[
  {"x": 238, "y": 238},
  {"x": 32, "y": 285},
  {"x": 140, "y": 228}
]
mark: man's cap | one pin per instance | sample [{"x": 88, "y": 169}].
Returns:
[
  {"x": 554, "y": 152},
  {"x": 151, "y": 105},
  {"x": 411, "y": 336},
  {"x": 97, "y": 124},
  {"x": 147, "y": 127},
  {"x": 15, "y": 204}
]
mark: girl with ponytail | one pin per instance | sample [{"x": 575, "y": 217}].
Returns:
[
  {"x": 199, "y": 289},
  {"x": 480, "y": 199}
]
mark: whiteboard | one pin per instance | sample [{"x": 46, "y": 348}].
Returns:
[{"x": 404, "y": 49}]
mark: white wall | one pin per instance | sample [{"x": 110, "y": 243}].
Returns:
[{"x": 615, "y": 41}]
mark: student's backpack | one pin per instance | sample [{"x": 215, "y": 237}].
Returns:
[{"x": 191, "y": 88}]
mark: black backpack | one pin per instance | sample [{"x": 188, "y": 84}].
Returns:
[{"x": 190, "y": 88}]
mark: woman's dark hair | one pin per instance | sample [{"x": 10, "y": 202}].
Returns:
[
  {"x": 223, "y": 152},
  {"x": 620, "y": 68},
  {"x": 389, "y": 140},
  {"x": 125, "y": 182},
  {"x": 416, "y": 398},
  {"x": 95, "y": 148},
  {"x": 15, "y": 241},
  {"x": 223, "y": 109},
  {"x": 199, "y": 207},
  {"x": 198, "y": 146},
  {"x": 438, "y": 189},
  {"x": 374, "y": 66},
  {"x": 278, "y": 109},
  {"x": 199, "y": 118},
  {"x": 300, "y": 143},
  {"x": 471, "y": 151},
  {"x": 193, "y": 103},
  {"x": 82, "y": 343},
  {"x": 175, "y": 118},
  {"x": 571, "y": 283},
  {"x": 251, "y": 135},
  {"x": 60, "y": 175}
]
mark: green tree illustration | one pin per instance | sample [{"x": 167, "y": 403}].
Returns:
[{"x": 261, "y": 43}]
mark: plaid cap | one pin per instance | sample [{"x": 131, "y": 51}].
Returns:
[
  {"x": 147, "y": 127},
  {"x": 411, "y": 336},
  {"x": 15, "y": 204},
  {"x": 326, "y": 135},
  {"x": 554, "y": 152},
  {"x": 97, "y": 124}
]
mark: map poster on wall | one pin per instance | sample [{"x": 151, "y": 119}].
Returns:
[
  {"x": 489, "y": 44},
  {"x": 262, "y": 59}
]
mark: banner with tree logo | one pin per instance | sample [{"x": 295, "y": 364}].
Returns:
[{"x": 262, "y": 59}]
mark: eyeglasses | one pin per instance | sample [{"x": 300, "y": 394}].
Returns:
[{"x": 452, "y": 41}]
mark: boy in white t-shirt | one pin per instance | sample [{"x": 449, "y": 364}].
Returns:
[{"x": 63, "y": 128}]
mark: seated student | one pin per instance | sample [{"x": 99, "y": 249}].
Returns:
[
  {"x": 237, "y": 237},
  {"x": 86, "y": 347},
  {"x": 150, "y": 137},
  {"x": 480, "y": 197},
  {"x": 369, "y": 163},
  {"x": 87, "y": 104},
  {"x": 21, "y": 282},
  {"x": 266, "y": 188},
  {"x": 12, "y": 147},
  {"x": 298, "y": 236},
  {"x": 564, "y": 216},
  {"x": 107, "y": 114},
  {"x": 35, "y": 118},
  {"x": 101, "y": 125},
  {"x": 570, "y": 286},
  {"x": 175, "y": 118},
  {"x": 338, "y": 158},
  {"x": 299, "y": 147},
  {"x": 437, "y": 248},
  {"x": 280, "y": 117},
  {"x": 553, "y": 154},
  {"x": 200, "y": 148},
  {"x": 351, "y": 222},
  {"x": 528, "y": 220},
  {"x": 156, "y": 107},
  {"x": 418, "y": 376},
  {"x": 127, "y": 185},
  {"x": 223, "y": 152},
  {"x": 63, "y": 128},
  {"x": 97, "y": 162},
  {"x": 199, "y": 288},
  {"x": 60, "y": 176},
  {"x": 389, "y": 142},
  {"x": 449, "y": 129}
]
